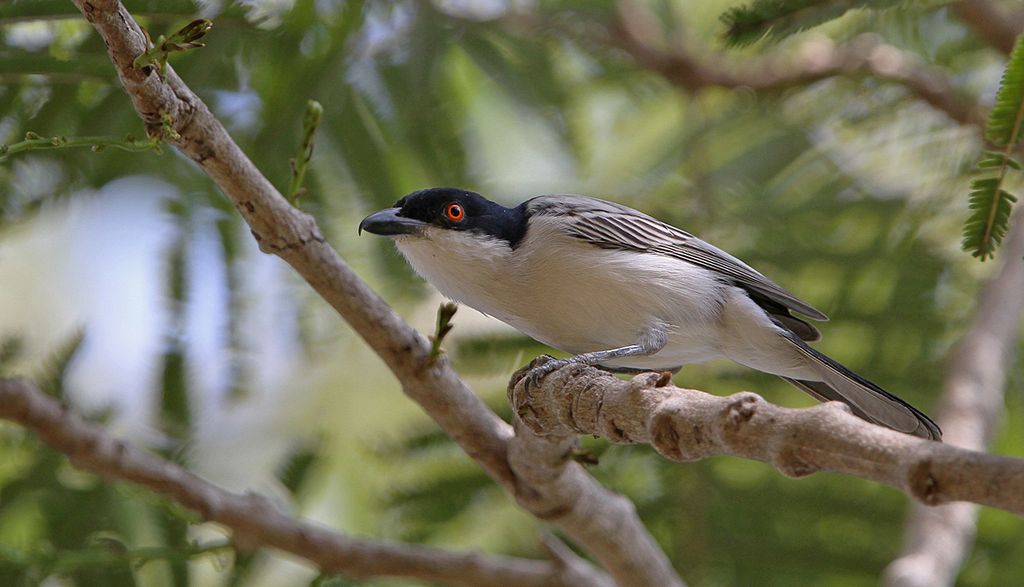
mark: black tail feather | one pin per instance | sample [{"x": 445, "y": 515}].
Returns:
[{"x": 822, "y": 390}]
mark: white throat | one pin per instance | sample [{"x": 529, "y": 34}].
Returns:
[{"x": 463, "y": 266}]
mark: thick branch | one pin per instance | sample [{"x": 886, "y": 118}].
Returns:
[
  {"x": 254, "y": 521},
  {"x": 939, "y": 540},
  {"x": 686, "y": 425},
  {"x": 561, "y": 492},
  {"x": 295, "y": 237}
]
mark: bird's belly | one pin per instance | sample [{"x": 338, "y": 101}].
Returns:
[{"x": 613, "y": 305}]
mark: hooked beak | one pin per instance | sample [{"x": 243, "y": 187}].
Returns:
[{"x": 387, "y": 222}]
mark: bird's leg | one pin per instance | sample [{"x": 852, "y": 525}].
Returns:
[{"x": 650, "y": 342}]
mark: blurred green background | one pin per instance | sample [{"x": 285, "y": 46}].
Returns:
[{"x": 143, "y": 302}]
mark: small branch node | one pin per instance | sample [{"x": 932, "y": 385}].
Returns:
[
  {"x": 791, "y": 463},
  {"x": 923, "y": 484},
  {"x": 643, "y": 382},
  {"x": 185, "y": 39},
  {"x": 741, "y": 408}
]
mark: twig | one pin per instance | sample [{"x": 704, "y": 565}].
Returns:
[
  {"x": 310, "y": 122},
  {"x": 256, "y": 523},
  {"x": 184, "y": 39},
  {"x": 34, "y": 142},
  {"x": 686, "y": 425},
  {"x": 445, "y": 313},
  {"x": 293, "y": 235}
]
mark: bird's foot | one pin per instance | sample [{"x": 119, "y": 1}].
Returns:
[{"x": 543, "y": 366}]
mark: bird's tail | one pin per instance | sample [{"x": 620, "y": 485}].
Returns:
[{"x": 866, "y": 399}]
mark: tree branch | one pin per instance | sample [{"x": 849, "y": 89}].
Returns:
[
  {"x": 939, "y": 540},
  {"x": 294, "y": 236},
  {"x": 686, "y": 425},
  {"x": 561, "y": 492},
  {"x": 640, "y": 35},
  {"x": 812, "y": 61},
  {"x": 990, "y": 23},
  {"x": 254, "y": 522}
]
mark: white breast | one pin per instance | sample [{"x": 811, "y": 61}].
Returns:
[{"x": 574, "y": 296}]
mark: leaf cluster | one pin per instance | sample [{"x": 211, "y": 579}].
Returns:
[{"x": 990, "y": 201}]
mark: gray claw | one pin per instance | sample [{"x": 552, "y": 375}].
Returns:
[{"x": 538, "y": 373}]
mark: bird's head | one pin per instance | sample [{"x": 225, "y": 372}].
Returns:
[{"x": 448, "y": 209}]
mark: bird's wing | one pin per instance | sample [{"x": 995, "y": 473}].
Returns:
[{"x": 613, "y": 226}]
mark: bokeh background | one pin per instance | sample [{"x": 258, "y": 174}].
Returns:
[{"x": 129, "y": 287}]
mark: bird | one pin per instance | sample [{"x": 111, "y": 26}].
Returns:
[{"x": 623, "y": 291}]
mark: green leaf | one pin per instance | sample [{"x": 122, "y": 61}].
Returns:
[
  {"x": 990, "y": 215},
  {"x": 1004, "y": 122},
  {"x": 989, "y": 202},
  {"x": 995, "y": 159}
]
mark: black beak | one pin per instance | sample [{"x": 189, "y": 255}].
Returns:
[{"x": 387, "y": 222}]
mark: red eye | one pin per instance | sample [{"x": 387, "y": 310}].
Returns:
[{"x": 454, "y": 212}]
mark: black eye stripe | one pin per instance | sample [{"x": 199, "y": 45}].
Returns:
[{"x": 479, "y": 215}]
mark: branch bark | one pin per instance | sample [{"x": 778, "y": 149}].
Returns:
[
  {"x": 561, "y": 492},
  {"x": 686, "y": 425},
  {"x": 255, "y": 522},
  {"x": 294, "y": 236}
]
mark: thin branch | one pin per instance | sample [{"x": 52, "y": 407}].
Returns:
[
  {"x": 255, "y": 522},
  {"x": 686, "y": 425},
  {"x": 991, "y": 24},
  {"x": 811, "y": 61},
  {"x": 294, "y": 236},
  {"x": 640, "y": 35},
  {"x": 34, "y": 142},
  {"x": 938, "y": 540}
]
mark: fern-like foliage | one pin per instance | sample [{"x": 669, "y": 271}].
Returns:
[
  {"x": 777, "y": 19},
  {"x": 989, "y": 201}
]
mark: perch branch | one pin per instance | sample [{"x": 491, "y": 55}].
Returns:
[
  {"x": 254, "y": 522},
  {"x": 686, "y": 425},
  {"x": 294, "y": 236},
  {"x": 560, "y": 490}
]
